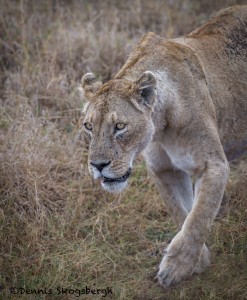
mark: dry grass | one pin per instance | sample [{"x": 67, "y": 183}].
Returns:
[{"x": 57, "y": 227}]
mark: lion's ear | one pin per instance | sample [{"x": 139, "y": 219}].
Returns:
[
  {"x": 146, "y": 87},
  {"x": 90, "y": 84}
]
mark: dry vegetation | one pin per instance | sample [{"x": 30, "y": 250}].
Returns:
[{"x": 57, "y": 227}]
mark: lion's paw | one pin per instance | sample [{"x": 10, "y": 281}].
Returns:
[
  {"x": 182, "y": 258},
  {"x": 204, "y": 260}
]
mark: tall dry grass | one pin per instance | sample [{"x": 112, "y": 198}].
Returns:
[{"x": 57, "y": 227}]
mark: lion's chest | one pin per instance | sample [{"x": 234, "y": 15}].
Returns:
[
  {"x": 166, "y": 156},
  {"x": 180, "y": 159}
]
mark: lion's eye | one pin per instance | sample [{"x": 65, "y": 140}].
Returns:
[
  {"x": 88, "y": 126},
  {"x": 120, "y": 126}
]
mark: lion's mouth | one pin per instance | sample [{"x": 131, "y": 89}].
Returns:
[{"x": 118, "y": 179}]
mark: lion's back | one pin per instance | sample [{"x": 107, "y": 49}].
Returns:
[
  {"x": 221, "y": 46},
  {"x": 215, "y": 52},
  {"x": 225, "y": 22}
]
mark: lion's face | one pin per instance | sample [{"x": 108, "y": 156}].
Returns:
[{"x": 117, "y": 126}]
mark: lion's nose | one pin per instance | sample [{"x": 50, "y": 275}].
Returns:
[{"x": 100, "y": 165}]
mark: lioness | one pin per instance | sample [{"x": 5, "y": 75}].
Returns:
[{"x": 183, "y": 104}]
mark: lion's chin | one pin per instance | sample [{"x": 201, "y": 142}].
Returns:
[{"x": 114, "y": 187}]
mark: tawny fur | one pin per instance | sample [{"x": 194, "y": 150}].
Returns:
[{"x": 184, "y": 104}]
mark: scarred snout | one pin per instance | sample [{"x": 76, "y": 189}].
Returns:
[
  {"x": 100, "y": 165},
  {"x": 110, "y": 181}
]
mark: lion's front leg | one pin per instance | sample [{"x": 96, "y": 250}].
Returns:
[
  {"x": 175, "y": 187},
  {"x": 187, "y": 252}
]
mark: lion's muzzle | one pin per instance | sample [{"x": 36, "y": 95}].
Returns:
[{"x": 119, "y": 179}]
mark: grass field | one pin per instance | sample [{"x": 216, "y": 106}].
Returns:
[{"x": 57, "y": 227}]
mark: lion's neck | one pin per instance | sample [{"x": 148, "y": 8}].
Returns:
[{"x": 166, "y": 109}]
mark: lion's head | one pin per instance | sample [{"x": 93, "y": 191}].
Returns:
[{"x": 117, "y": 125}]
